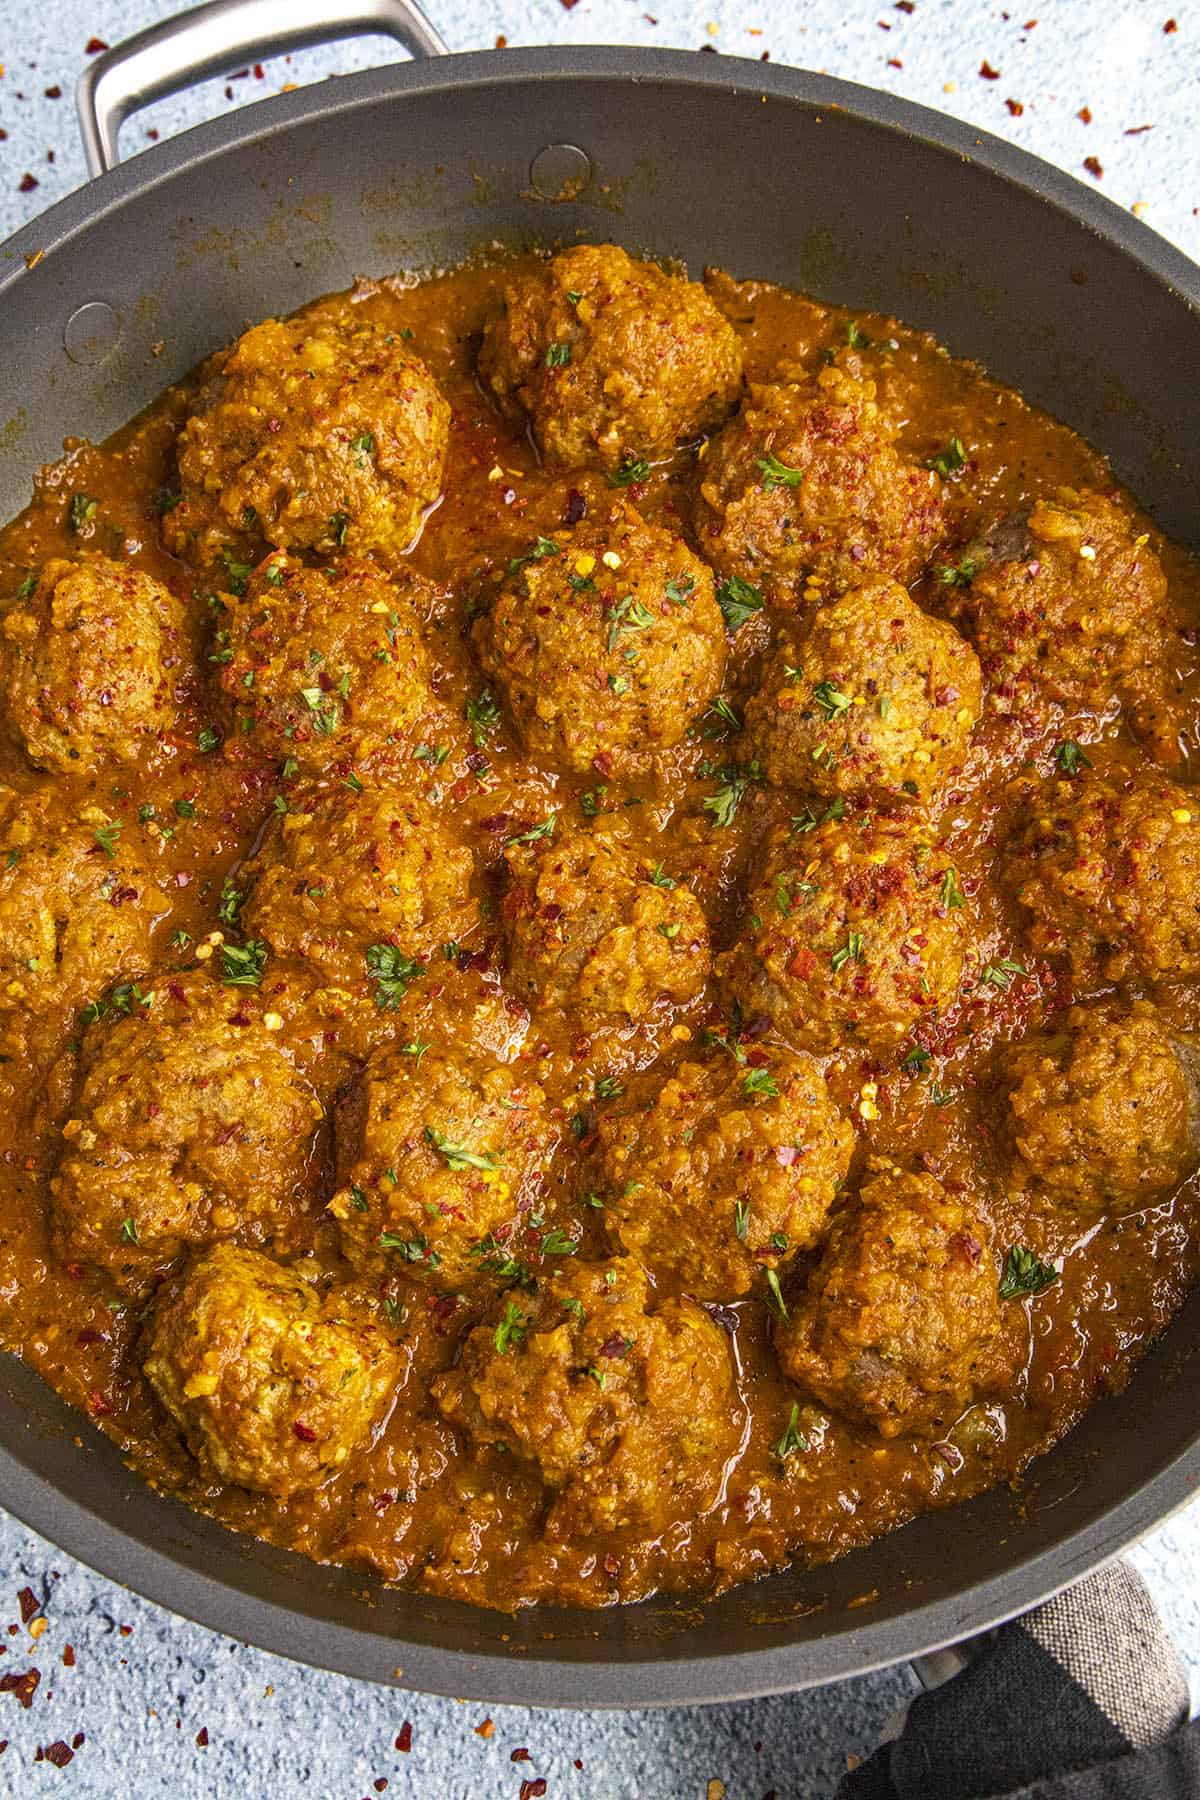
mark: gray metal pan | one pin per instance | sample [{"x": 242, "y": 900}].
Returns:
[{"x": 844, "y": 192}]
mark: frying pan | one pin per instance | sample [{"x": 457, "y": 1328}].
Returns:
[{"x": 841, "y": 191}]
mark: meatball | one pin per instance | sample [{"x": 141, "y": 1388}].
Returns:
[
  {"x": 605, "y": 644},
  {"x": 873, "y": 698},
  {"x": 730, "y": 1172},
  {"x": 78, "y": 908},
  {"x": 1103, "y": 1112},
  {"x": 91, "y": 659},
  {"x": 805, "y": 490},
  {"x": 327, "y": 666},
  {"x": 899, "y": 1327},
  {"x": 274, "y": 1385},
  {"x": 628, "y": 1414},
  {"x": 610, "y": 360},
  {"x": 342, "y": 875},
  {"x": 1063, "y": 605},
  {"x": 597, "y": 930},
  {"x": 190, "y": 1124},
  {"x": 1109, "y": 867},
  {"x": 437, "y": 1151},
  {"x": 316, "y": 433},
  {"x": 856, "y": 933}
]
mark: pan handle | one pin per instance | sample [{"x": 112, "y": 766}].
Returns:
[{"x": 211, "y": 40}]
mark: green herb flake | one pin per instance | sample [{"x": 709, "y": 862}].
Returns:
[
  {"x": 775, "y": 1299},
  {"x": 950, "y": 461},
  {"x": 391, "y": 971},
  {"x": 544, "y": 830},
  {"x": 776, "y": 474},
  {"x": 850, "y": 951},
  {"x": 558, "y": 355},
  {"x": 631, "y": 470},
  {"x": 1070, "y": 758},
  {"x": 243, "y": 966},
  {"x": 1002, "y": 974},
  {"x": 511, "y": 1328},
  {"x": 760, "y": 1084},
  {"x": 106, "y": 836},
  {"x": 458, "y": 1157},
  {"x": 950, "y": 893},
  {"x": 739, "y": 600},
  {"x": 831, "y": 700},
  {"x": 81, "y": 511},
  {"x": 1024, "y": 1273},
  {"x": 793, "y": 1438},
  {"x": 129, "y": 1232}
]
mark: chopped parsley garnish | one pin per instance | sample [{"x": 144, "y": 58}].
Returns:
[
  {"x": 776, "y": 474},
  {"x": 180, "y": 939},
  {"x": 230, "y": 903},
  {"x": 237, "y": 574},
  {"x": 129, "y": 1232},
  {"x": 544, "y": 830},
  {"x": 558, "y": 356},
  {"x": 741, "y": 1220},
  {"x": 208, "y": 740},
  {"x": 363, "y": 447},
  {"x": 627, "y": 615},
  {"x": 856, "y": 337},
  {"x": 106, "y": 836},
  {"x": 185, "y": 809},
  {"x": 243, "y": 966},
  {"x": 736, "y": 781},
  {"x": 960, "y": 574},
  {"x": 416, "y": 1047},
  {"x": 412, "y": 1250},
  {"x": 358, "y": 1198},
  {"x": 917, "y": 1061},
  {"x": 775, "y": 1297},
  {"x": 542, "y": 548},
  {"x": 831, "y": 700},
  {"x": 483, "y": 716},
  {"x": 81, "y": 511},
  {"x": 950, "y": 894},
  {"x": 557, "y": 1243},
  {"x": 760, "y": 1083},
  {"x": 434, "y": 755},
  {"x": 1023, "y": 1273},
  {"x": 118, "y": 1003},
  {"x": 609, "y": 1087},
  {"x": 631, "y": 469},
  {"x": 850, "y": 951},
  {"x": 27, "y": 587},
  {"x": 338, "y": 522},
  {"x": 659, "y": 880},
  {"x": 1070, "y": 758},
  {"x": 458, "y": 1157},
  {"x": 949, "y": 461},
  {"x": 739, "y": 600},
  {"x": 1001, "y": 974},
  {"x": 793, "y": 1438},
  {"x": 511, "y": 1328},
  {"x": 591, "y": 801},
  {"x": 352, "y": 782},
  {"x": 166, "y": 501},
  {"x": 808, "y": 820},
  {"x": 391, "y": 971},
  {"x": 722, "y": 710},
  {"x": 678, "y": 590}
]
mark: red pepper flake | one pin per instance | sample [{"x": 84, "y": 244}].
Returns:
[
  {"x": 125, "y": 1630},
  {"x": 259, "y": 72},
  {"x": 404, "y": 1737},
  {"x": 1169, "y": 27},
  {"x": 905, "y": 6},
  {"x": 987, "y": 72},
  {"x": 1137, "y": 130},
  {"x": 501, "y": 41},
  {"x": 533, "y": 1790},
  {"x": 579, "y": 1760},
  {"x": 894, "y": 62},
  {"x": 1094, "y": 166},
  {"x": 568, "y": 4},
  {"x": 305, "y": 1433},
  {"x": 54, "y": 93},
  {"x": 486, "y": 1729},
  {"x": 1084, "y": 115},
  {"x": 24, "y": 1686},
  {"x": 58, "y": 1753},
  {"x": 202, "y": 1737},
  {"x": 94, "y": 45},
  {"x": 29, "y": 1603},
  {"x": 380, "y": 1784},
  {"x": 27, "y": 183},
  {"x": 68, "y": 1656},
  {"x": 521, "y": 1755},
  {"x": 79, "y": 1740},
  {"x": 1015, "y": 107}
]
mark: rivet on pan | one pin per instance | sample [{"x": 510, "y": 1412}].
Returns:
[
  {"x": 560, "y": 172},
  {"x": 91, "y": 332}
]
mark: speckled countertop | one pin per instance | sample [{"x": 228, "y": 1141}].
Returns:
[{"x": 143, "y": 1703}]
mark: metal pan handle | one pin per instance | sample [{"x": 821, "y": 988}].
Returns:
[{"x": 211, "y": 40}]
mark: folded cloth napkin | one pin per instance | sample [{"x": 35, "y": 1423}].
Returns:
[{"x": 1082, "y": 1699}]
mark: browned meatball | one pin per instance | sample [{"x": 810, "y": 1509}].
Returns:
[
  {"x": 191, "y": 1123},
  {"x": 326, "y": 666},
  {"x": 342, "y": 872},
  {"x": 1064, "y": 605},
  {"x": 596, "y": 929},
  {"x": 438, "y": 1150},
  {"x": 78, "y": 908},
  {"x": 605, "y": 642},
  {"x": 856, "y": 933},
  {"x": 316, "y": 433},
  {"x": 91, "y": 659},
  {"x": 1103, "y": 1113},
  {"x": 610, "y": 359},
  {"x": 805, "y": 490},
  {"x": 274, "y": 1384},
  {"x": 873, "y": 698},
  {"x": 900, "y": 1325},
  {"x": 629, "y": 1415},
  {"x": 1109, "y": 867},
  {"x": 729, "y": 1173}
]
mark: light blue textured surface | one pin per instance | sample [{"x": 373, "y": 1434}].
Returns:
[{"x": 279, "y": 1730}]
